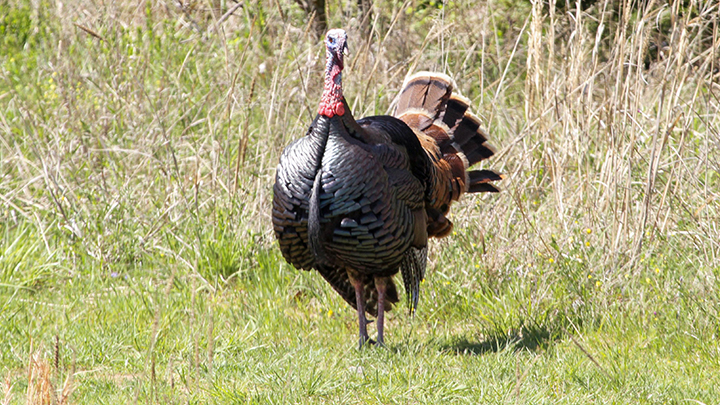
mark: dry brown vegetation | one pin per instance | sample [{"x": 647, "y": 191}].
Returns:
[{"x": 606, "y": 117}]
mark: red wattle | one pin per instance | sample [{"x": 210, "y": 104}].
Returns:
[
  {"x": 325, "y": 110},
  {"x": 330, "y": 110}
]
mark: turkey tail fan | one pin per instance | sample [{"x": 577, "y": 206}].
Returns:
[
  {"x": 413, "y": 273},
  {"x": 428, "y": 105}
]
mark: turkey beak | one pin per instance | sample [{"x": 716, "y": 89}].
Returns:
[{"x": 346, "y": 50}]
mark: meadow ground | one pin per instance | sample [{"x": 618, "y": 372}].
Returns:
[{"x": 138, "y": 142}]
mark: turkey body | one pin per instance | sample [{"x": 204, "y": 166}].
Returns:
[
  {"x": 350, "y": 201},
  {"x": 357, "y": 200}
]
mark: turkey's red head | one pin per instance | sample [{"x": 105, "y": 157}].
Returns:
[{"x": 332, "y": 99}]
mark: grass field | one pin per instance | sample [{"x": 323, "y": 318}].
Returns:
[{"x": 138, "y": 143}]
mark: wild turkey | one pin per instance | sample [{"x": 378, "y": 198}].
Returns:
[{"x": 357, "y": 200}]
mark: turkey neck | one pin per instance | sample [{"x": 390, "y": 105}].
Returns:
[
  {"x": 326, "y": 126},
  {"x": 331, "y": 102}
]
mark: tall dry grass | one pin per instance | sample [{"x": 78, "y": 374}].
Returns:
[{"x": 605, "y": 119}]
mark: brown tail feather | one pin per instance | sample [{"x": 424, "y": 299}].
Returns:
[
  {"x": 425, "y": 91},
  {"x": 483, "y": 188},
  {"x": 467, "y": 129},
  {"x": 455, "y": 110},
  {"x": 427, "y": 104},
  {"x": 472, "y": 139},
  {"x": 484, "y": 176},
  {"x": 453, "y": 138},
  {"x": 479, "y": 181}
]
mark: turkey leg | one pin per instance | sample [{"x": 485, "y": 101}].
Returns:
[
  {"x": 381, "y": 284},
  {"x": 360, "y": 300}
]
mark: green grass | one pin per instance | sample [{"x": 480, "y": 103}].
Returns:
[
  {"x": 272, "y": 334},
  {"x": 137, "y": 155}
]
